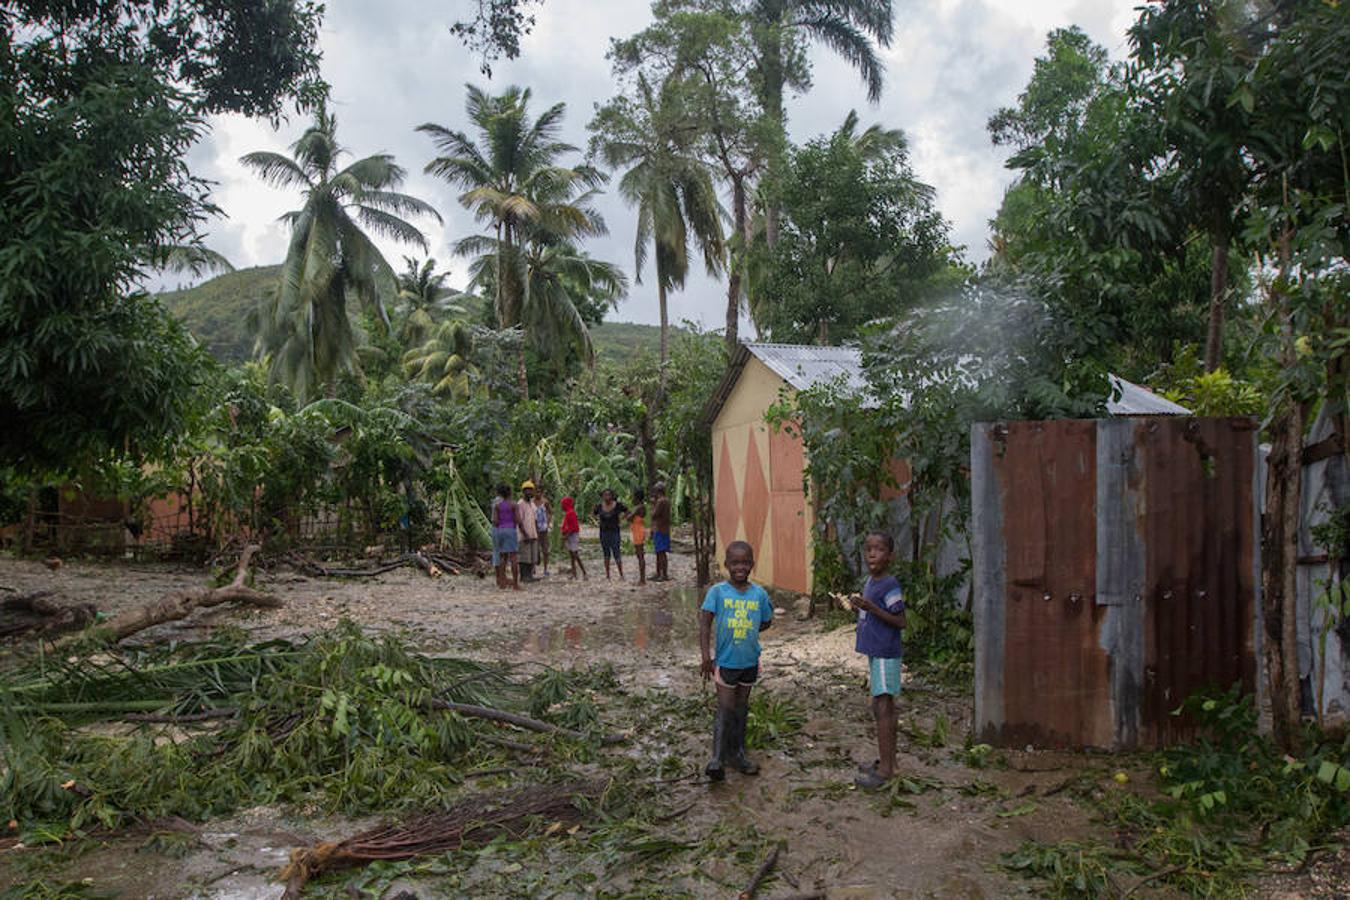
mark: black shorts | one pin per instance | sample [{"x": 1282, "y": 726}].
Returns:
[{"x": 734, "y": 677}]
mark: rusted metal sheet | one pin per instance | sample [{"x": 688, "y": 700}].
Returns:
[
  {"x": 1115, "y": 573},
  {"x": 1199, "y": 603},
  {"x": 1055, "y": 679},
  {"x": 1122, "y": 573}
]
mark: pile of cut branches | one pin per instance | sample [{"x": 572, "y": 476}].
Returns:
[{"x": 349, "y": 721}]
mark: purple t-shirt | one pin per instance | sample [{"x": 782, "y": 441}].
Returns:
[
  {"x": 506, "y": 514},
  {"x": 875, "y": 637}
]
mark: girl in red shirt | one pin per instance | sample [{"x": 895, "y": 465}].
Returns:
[{"x": 571, "y": 532}]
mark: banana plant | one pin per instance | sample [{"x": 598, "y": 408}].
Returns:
[
  {"x": 613, "y": 465},
  {"x": 463, "y": 522}
]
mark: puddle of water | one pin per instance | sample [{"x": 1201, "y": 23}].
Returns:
[{"x": 671, "y": 621}]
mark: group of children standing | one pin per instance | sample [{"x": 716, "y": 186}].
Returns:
[
  {"x": 732, "y": 615},
  {"x": 520, "y": 533},
  {"x": 735, "y": 611}
]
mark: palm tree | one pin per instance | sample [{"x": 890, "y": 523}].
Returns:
[
  {"x": 848, "y": 27},
  {"x": 875, "y": 142},
  {"x": 423, "y": 299},
  {"x": 555, "y": 278},
  {"x": 672, "y": 190},
  {"x": 445, "y": 360},
  {"x": 306, "y": 330},
  {"x": 513, "y": 182}
]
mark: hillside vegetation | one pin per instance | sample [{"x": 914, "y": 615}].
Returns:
[{"x": 216, "y": 312}]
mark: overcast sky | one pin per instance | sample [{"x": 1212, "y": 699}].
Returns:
[{"x": 394, "y": 65}]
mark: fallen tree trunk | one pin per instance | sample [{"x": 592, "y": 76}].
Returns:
[
  {"x": 38, "y": 612},
  {"x": 434, "y": 564},
  {"x": 179, "y": 604}
]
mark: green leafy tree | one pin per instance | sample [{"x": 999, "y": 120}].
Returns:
[
  {"x": 1190, "y": 58},
  {"x": 496, "y": 29},
  {"x": 514, "y": 183},
  {"x": 306, "y": 331},
  {"x": 1086, "y": 224},
  {"x": 698, "y": 360},
  {"x": 1297, "y": 216},
  {"x": 670, "y": 187},
  {"x": 862, "y": 240},
  {"x": 98, "y": 110}
]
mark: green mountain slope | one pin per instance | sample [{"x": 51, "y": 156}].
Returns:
[
  {"x": 620, "y": 341},
  {"x": 216, "y": 312}
]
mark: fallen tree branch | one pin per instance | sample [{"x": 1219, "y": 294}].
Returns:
[
  {"x": 475, "y": 820},
  {"x": 760, "y": 874},
  {"x": 204, "y": 716},
  {"x": 1149, "y": 878},
  {"x": 426, "y": 565},
  {"x": 497, "y": 715},
  {"x": 178, "y": 605},
  {"x": 518, "y": 746}
]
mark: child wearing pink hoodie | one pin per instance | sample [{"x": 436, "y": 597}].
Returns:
[{"x": 571, "y": 532}]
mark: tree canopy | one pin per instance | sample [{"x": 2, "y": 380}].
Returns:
[{"x": 99, "y": 104}]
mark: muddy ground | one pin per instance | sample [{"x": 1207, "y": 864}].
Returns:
[{"x": 943, "y": 840}]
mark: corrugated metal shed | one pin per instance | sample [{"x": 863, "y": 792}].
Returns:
[
  {"x": 804, "y": 365},
  {"x": 1116, "y": 566}
]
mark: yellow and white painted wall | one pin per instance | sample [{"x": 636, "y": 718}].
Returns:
[{"x": 757, "y": 483}]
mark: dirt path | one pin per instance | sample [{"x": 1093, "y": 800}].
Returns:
[{"x": 941, "y": 835}]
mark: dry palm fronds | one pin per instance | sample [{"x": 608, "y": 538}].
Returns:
[{"x": 475, "y": 820}]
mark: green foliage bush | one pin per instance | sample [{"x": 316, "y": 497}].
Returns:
[{"x": 1227, "y": 807}]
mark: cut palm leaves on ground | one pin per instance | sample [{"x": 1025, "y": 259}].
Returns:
[
  {"x": 344, "y": 720},
  {"x": 475, "y": 820}
]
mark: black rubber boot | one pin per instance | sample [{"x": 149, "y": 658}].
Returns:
[
  {"x": 714, "y": 769},
  {"x": 737, "y": 755}
]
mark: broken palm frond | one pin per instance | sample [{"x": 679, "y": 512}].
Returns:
[
  {"x": 508, "y": 718},
  {"x": 475, "y": 820},
  {"x": 344, "y": 720}
]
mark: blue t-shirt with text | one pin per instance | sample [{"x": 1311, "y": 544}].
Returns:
[
  {"x": 737, "y": 617},
  {"x": 875, "y": 637}
]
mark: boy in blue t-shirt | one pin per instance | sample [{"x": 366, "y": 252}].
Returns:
[
  {"x": 741, "y": 610},
  {"x": 881, "y": 616}
]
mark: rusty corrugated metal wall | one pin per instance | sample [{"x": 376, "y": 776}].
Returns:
[{"x": 1116, "y": 571}]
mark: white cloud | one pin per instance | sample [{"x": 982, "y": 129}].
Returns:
[{"x": 395, "y": 65}]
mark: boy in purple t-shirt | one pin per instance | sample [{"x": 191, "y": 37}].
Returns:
[{"x": 881, "y": 616}]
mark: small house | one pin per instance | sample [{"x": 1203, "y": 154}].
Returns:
[{"x": 758, "y": 470}]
